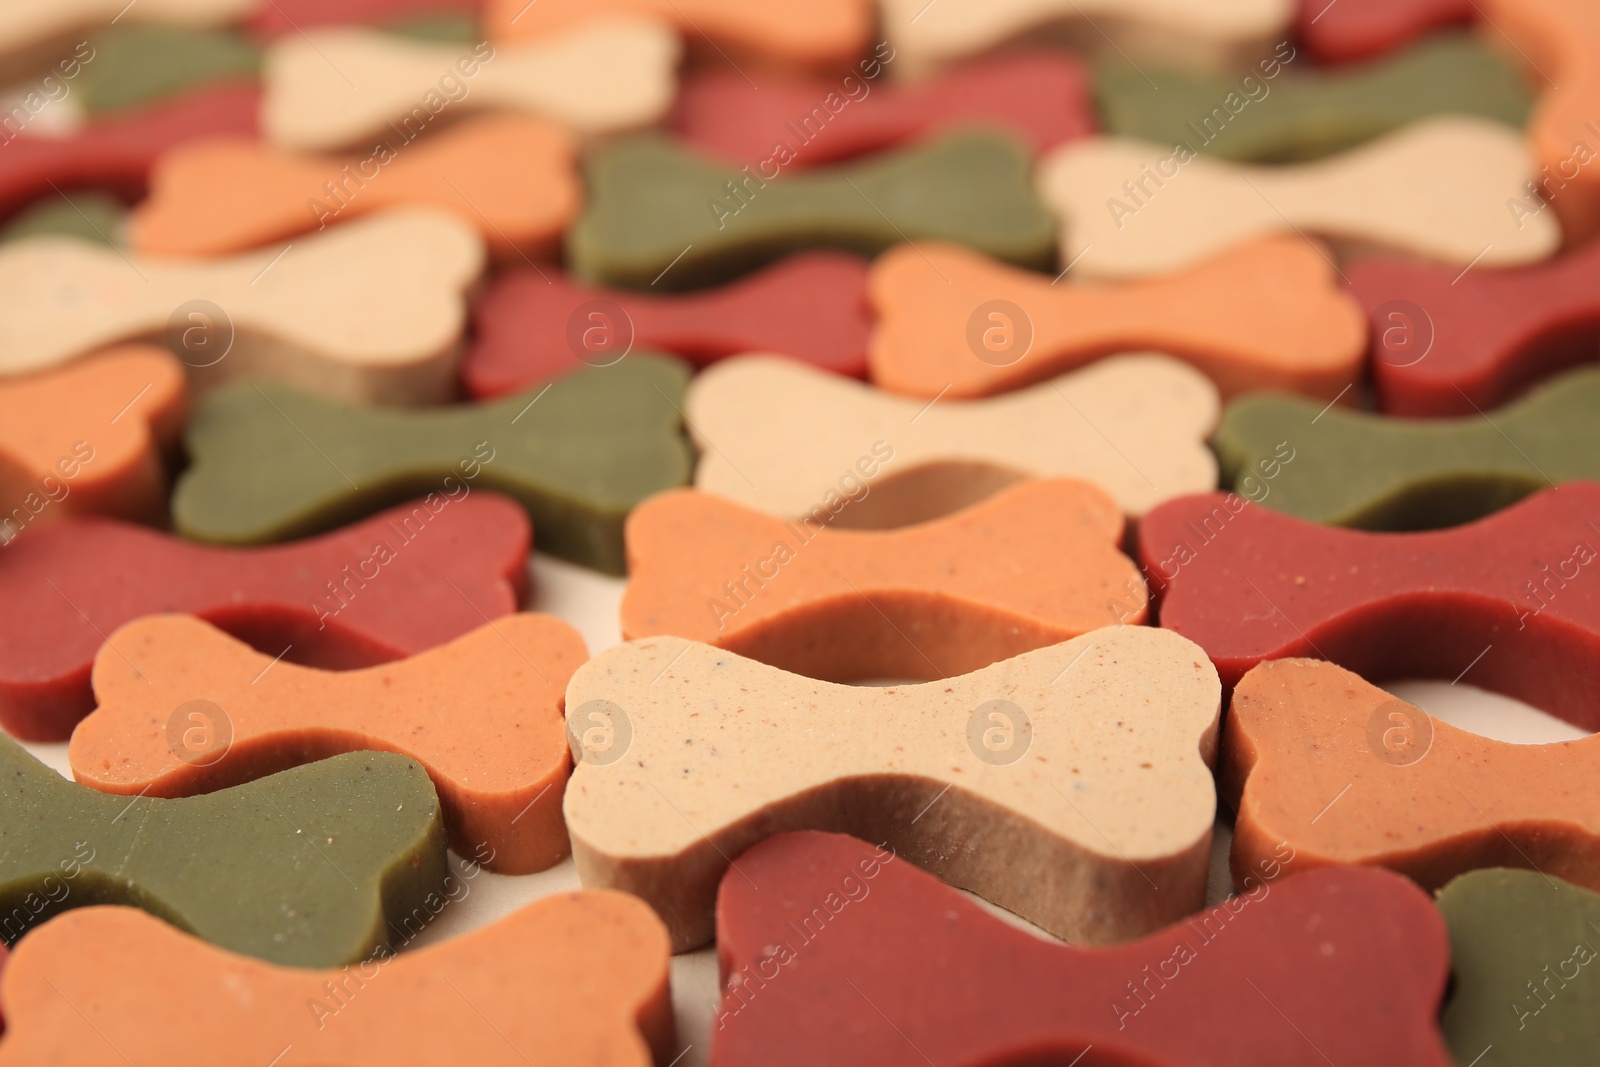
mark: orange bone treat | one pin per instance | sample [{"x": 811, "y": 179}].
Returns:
[
  {"x": 1559, "y": 40},
  {"x": 186, "y": 709},
  {"x": 1348, "y": 774},
  {"x": 815, "y": 32},
  {"x": 1264, "y": 315},
  {"x": 573, "y": 978},
  {"x": 513, "y": 177},
  {"x": 1032, "y": 566},
  {"x": 88, "y": 438}
]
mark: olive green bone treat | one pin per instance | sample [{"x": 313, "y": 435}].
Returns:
[
  {"x": 137, "y": 63},
  {"x": 88, "y": 215},
  {"x": 1302, "y": 116},
  {"x": 272, "y": 463},
  {"x": 319, "y": 866},
  {"x": 1525, "y": 950},
  {"x": 1351, "y": 468},
  {"x": 660, "y": 215}
]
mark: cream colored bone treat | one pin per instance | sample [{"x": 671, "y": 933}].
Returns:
[
  {"x": 1070, "y": 785},
  {"x": 371, "y": 311},
  {"x": 796, "y": 442},
  {"x": 333, "y": 88},
  {"x": 1209, "y": 34},
  {"x": 1436, "y": 190}
]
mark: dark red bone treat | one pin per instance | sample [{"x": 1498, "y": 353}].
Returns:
[
  {"x": 1044, "y": 97},
  {"x": 1509, "y": 603},
  {"x": 1448, "y": 343},
  {"x": 846, "y": 955},
  {"x": 116, "y": 154},
  {"x": 292, "y": 16},
  {"x": 530, "y": 327},
  {"x": 1336, "y": 31},
  {"x": 403, "y": 581}
]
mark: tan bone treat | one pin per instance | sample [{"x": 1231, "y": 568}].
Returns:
[
  {"x": 370, "y": 311},
  {"x": 1219, "y": 35},
  {"x": 1070, "y": 785},
  {"x": 1434, "y": 190},
  {"x": 800, "y": 443},
  {"x": 335, "y": 88}
]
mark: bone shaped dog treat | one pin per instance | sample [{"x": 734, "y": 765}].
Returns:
[
  {"x": 1034, "y": 565},
  {"x": 1211, "y": 34},
  {"x": 529, "y": 328},
  {"x": 1358, "y": 469},
  {"x": 574, "y": 978},
  {"x": 118, "y": 152},
  {"x": 135, "y": 65},
  {"x": 404, "y": 581},
  {"x": 511, "y": 177},
  {"x": 481, "y": 714},
  {"x": 1450, "y": 345},
  {"x": 1307, "y": 115},
  {"x": 1436, "y": 189},
  {"x": 661, "y": 217},
  {"x": 271, "y": 463},
  {"x": 371, "y": 311},
  {"x": 1041, "y": 96},
  {"x": 820, "y": 32},
  {"x": 1248, "y": 584},
  {"x": 313, "y": 867},
  {"x": 609, "y": 75},
  {"x": 1263, "y": 315},
  {"x": 1082, "y": 768},
  {"x": 283, "y": 17},
  {"x": 1419, "y": 796},
  {"x": 1559, "y": 40},
  {"x": 795, "y": 442},
  {"x": 38, "y": 29},
  {"x": 1524, "y": 940},
  {"x": 1347, "y": 964},
  {"x": 89, "y": 439}
]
